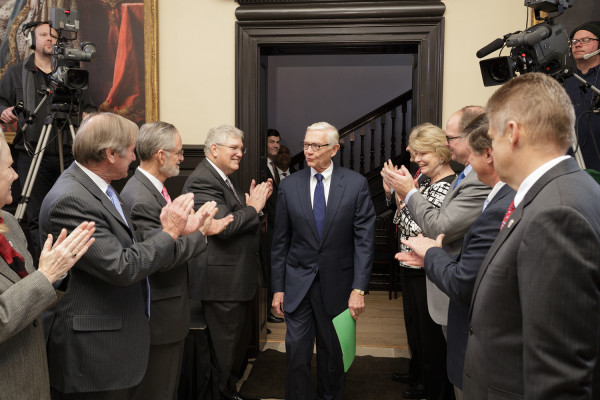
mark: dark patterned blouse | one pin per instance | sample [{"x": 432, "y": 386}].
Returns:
[{"x": 407, "y": 227}]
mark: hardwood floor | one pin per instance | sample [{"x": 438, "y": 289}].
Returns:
[{"x": 379, "y": 331}]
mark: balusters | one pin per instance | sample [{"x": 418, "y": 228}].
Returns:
[
  {"x": 393, "y": 139},
  {"x": 372, "y": 158},
  {"x": 341, "y": 152},
  {"x": 404, "y": 109},
  {"x": 382, "y": 145},
  {"x": 352, "y": 151},
  {"x": 362, "y": 151}
]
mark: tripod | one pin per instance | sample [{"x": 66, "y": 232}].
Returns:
[{"x": 59, "y": 115}]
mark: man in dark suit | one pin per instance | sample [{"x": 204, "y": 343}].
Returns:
[
  {"x": 270, "y": 166},
  {"x": 534, "y": 322},
  {"x": 461, "y": 206},
  {"x": 321, "y": 262},
  {"x": 160, "y": 150},
  {"x": 228, "y": 282},
  {"x": 455, "y": 274},
  {"x": 99, "y": 339}
]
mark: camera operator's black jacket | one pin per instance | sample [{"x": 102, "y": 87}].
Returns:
[{"x": 12, "y": 91}]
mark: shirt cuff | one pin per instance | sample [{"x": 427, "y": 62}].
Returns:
[{"x": 410, "y": 193}]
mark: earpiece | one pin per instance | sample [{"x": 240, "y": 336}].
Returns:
[{"x": 28, "y": 31}]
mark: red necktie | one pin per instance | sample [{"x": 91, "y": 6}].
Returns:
[
  {"x": 166, "y": 195},
  {"x": 509, "y": 212}
]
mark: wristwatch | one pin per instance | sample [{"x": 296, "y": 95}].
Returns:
[{"x": 361, "y": 292}]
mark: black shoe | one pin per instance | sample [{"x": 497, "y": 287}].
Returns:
[
  {"x": 272, "y": 318},
  {"x": 269, "y": 331},
  {"x": 415, "y": 392},
  {"x": 404, "y": 378},
  {"x": 238, "y": 396}
]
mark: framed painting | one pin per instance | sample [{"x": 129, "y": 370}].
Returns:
[{"x": 123, "y": 78}]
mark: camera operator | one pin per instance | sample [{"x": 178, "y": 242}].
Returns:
[
  {"x": 584, "y": 40},
  {"x": 28, "y": 82}
]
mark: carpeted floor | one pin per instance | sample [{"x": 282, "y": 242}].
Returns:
[{"x": 368, "y": 377}]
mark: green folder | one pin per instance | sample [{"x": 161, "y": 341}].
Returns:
[{"x": 345, "y": 327}]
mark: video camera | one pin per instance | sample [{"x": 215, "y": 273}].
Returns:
[
  {"x": 66, "y": 71},
  {"x": 541, "y": 48}
]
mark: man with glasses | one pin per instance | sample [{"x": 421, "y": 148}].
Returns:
[
  {"x": 584, "y": 41},
  {"x": 321, "y": 262},
  {"x": 461, "y": 206},
  {"x": 228, "y": 281},
  {"x": 145, "y": 194}
]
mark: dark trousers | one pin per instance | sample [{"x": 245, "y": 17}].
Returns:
[
  {"x": 432, "y": 349},
  {"x": 308, "y": 322},
  {"x": 48, "y": 173},
  {"x": 226, "y": 322},
  {"x": 162, "y": 372},
  {"x": 123, "y": 394},
  {"x": 411, "y": 319}
]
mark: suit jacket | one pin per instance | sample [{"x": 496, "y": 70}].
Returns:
[
  {"x": 271, "y": 204},
  {"x": 170, "y": 308},
  {"x": 534, "y": 320},
  {"x": 22, "y": 345},
  {"x": 343, "y": 256},
  {"x": 454, "y": 218},
  {"x": 100, "y": 338},
  {"x": 231, "y": 271},
  {"x": 456, "y": 278}
]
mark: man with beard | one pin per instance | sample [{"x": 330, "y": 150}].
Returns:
[
  {"x": 28, "y": 82},
  {"x": 160, "y": 150}
]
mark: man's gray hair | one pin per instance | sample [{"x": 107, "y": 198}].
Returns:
[
  {"x": 220, "y": 134},
  {"x": 101, "y": 131},
  {"x": 155, "y": 136},
  {"x": 332, "y": 133}
]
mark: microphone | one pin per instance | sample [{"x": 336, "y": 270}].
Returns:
[
  {"x": 590, "y": 55},
  {"x": 490, "y": 48}
]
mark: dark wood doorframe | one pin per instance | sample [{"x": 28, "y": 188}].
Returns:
[{"x": 334, "y": 25}]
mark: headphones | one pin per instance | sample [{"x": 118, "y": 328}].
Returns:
[{"x": 28, "y": 31}]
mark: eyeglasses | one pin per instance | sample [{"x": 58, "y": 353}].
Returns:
[
  {"x": 313, "y": 146},
  {"x": 179, "y": 153},
  {"x": 451, "y": 138},
  {"x": 233, "y": 148},
  {"x": 584, "y": 40}
]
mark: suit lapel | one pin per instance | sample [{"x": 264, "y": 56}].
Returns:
[
  {"x": 150, "y": 186},
  {"x": 336, "y": 191},
  {"x": 91, "y": 186},
  {"x": 8, "y": 272},
  {"x": 305, "y": 201},
  {"x": 230, "y": 197},
  {"x": 562, "y": 168}
]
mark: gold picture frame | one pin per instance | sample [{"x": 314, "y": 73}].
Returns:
[
  {"x": 150, "y": 51},
  {"x": 151, "y": 59}
]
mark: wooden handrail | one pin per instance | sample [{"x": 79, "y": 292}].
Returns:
[{"x": 297, "y": 159}]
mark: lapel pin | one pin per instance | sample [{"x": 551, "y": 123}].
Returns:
[{"x": 510, "y": 223}]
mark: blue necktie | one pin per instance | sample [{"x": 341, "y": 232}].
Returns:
[
  {"x": 460, "y": 178},
  {"x": 319, "y": 204},
  {"x": 112, "y": 195}
]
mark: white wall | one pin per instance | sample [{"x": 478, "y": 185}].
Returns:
[{"x": 198, "y": 91}]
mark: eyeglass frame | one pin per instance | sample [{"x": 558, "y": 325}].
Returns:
[
  {"x": 234, "y": 148},
  {"x": 583, "y": 40},
  {"x": 451, "y": 138},
  {"x": 179, "y": 152},
  {"x": 306, "y": 146}
]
